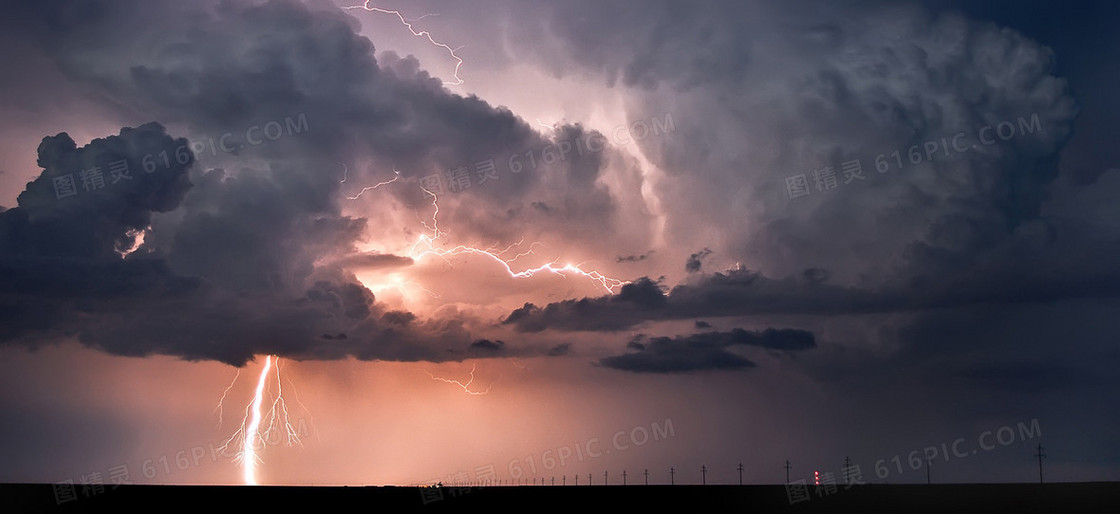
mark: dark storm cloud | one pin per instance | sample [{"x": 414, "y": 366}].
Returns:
[
  {"x": 781, "y": 90},
  {"x": 668, "y": 356},
  {"x": 784, "y": 89},
  {"x": 632, "y": 302},
  {"x": 256, "y": 257},
  {"x": 87, "y": 200},
  {"x": 692, "y": 265},
  {"x": 705, "y": 351},
  {"x": 487, "y": 347},
  {"x": 60, "y": 246},
  {"x": 743, "y": 292}
]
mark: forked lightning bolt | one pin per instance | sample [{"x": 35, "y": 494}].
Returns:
[
  {"x": 422, "y": 33},
  {"x": 249, "y": 437}
]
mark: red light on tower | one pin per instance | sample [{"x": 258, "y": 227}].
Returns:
[{"x": 816, "y": 478}]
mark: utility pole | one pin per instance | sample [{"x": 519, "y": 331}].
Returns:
[
  {"x": 704, "y": 475},
  {"x": 671, "y": 473},
  {"x": 604, "y": 478},
  {"x": 788, "y": 467},
  {"x": 740, "y": 473},
  {"x": 928, "y": 462},
  {"x": 1040, "y": 455},
  {"x": 589, "y": 479},
  {"x": 624, "y": 477},
  {"x": 646, "y": 473},
  {"x": 577, "y": 478},
  {"x": 564, "y": 480},
  {"x": 847, "y": 471},
  {"x": 554, "y": 481}
]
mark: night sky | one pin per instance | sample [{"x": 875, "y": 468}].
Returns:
[{"x": 498, "y": 240}]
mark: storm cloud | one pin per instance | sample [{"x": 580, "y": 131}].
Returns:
[
  {"x": 705, "y": 351},
  {"x": 255, "y": 253}
]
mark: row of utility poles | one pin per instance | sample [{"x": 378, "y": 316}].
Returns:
[
  {"x": 788, "y": 466},
  {"x": 929, "y": 462}
]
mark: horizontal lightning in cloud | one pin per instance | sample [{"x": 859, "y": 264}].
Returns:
[{"x": 426, "y": 246}]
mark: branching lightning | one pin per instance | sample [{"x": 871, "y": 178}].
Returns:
[
  {"x": 249, "y": 437},
  {"x": 466, "y": 386},
  {"x": 426, "y": 246},
  {"x": 423, "y": 33},
  {"x": 346, "y": 172},
  {"x": 278, "y": 420},
  {"x": 225, "y": 393}
]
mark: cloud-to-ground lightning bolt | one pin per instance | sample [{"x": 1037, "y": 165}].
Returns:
[
  {"x": 426, "y": 245},
  {"x": 249, "y": 437},
  {"x": 249, "y": 451},
  {"x": 422, "y": 33},
  {"x": 466, "y": 386}
]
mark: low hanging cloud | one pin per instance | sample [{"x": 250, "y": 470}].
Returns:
[
  {"x": 705, "y": 351},
  {"x": 742, "y": 292},
  {"x": 487, "y": 347}
]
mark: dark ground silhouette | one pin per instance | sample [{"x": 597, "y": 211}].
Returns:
[{"x": 1017, "y": 498}]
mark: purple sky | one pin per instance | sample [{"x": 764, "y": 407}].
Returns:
[{"x": 753, "y": 231}]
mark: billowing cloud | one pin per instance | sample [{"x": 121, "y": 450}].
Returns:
[
  {"x": 259, "y": 245},
  {"x": 783, "y": 93}
]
